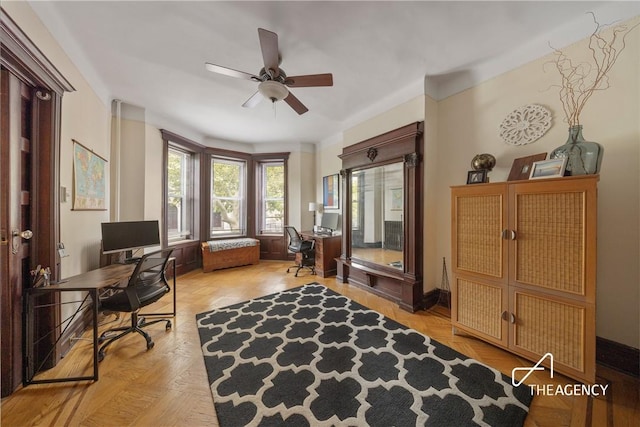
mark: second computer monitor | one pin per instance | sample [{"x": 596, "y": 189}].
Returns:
[{"x": 330, "y": 221}]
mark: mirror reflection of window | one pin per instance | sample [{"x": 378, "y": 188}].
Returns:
[{"x": 377, "y": 228}]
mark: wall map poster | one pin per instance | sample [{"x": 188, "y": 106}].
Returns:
[{"x": 89, "y": 179}]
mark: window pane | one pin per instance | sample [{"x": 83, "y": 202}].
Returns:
[
  {"x": 272, "y": 208},
  {"x": 179, "y": 197},
  {"x": 228, "y": 210}
]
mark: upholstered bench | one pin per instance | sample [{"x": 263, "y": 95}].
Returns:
[{"x": 217, "y": 254}]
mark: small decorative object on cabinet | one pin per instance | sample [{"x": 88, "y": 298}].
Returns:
[
  {"x": 521, "y": 168},
  {"x": 477, "y": 177},
  {"x": 483, "y": 161},
  {"x": 583, "y": 157},
  {"x": 553, "y": 168},
  {"x": 524, "y": 268}
]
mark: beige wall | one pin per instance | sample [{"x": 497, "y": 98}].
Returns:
[
  {"x": 327, "y": 163},
  {"x": 301, "y": 172}
]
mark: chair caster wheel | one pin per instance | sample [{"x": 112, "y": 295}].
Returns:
[
  {"x": 101, "y": 340},
  {"x": 142, "y": 321},
  {"x": 100, "y": 356},
  {"x": 150, "y": 345},
  {"x": 168, "y": 327}
]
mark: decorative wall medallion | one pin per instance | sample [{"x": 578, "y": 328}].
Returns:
[
  {"x": 372, "y": 153},
  {"x": 525, "y": 125}
]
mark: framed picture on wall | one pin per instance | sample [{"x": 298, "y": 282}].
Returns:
[
  {"x": 89, "y": 179},
  {"x": 331, "y": 192}
]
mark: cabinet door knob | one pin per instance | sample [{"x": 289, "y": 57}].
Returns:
[
  {"x": 504, "y": 315},
  {"x": 504, "y": 233},
  {"x": 513, "y": 234},
  {"x": 512, "y": 317}
]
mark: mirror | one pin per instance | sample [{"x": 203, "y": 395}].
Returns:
[{"x": 377, "y": 201}]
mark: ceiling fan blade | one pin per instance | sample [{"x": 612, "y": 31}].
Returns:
[
  {"x": 253, "y": 100},
  {"x": 295, "y": 104},
  {"x": 270, "y": 54},
  {"x": 230, "y": 72},
  {"x": 310, "y": 80}
]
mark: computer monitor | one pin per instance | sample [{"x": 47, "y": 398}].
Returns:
[
  {"x": 330, "y": 221},
  {"x": 129, "y": 235}
]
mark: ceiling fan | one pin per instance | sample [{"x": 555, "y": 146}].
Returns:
[{"x": 274, "y": 84}]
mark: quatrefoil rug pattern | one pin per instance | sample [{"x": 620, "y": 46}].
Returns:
[{"x": 309, "y": 356}]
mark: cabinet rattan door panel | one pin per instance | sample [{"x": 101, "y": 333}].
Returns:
[
  {"x": 545, "y": 325},
  {"x": 479, "y": 307},
  {"x": 478, "y": 224},
  {"x": 550, "y": 244}
]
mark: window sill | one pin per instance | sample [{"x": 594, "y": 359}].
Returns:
[{"x": 174, "y": 243}]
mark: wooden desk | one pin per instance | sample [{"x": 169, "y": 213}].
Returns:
[
  {"x": 90, "y": 282},
  {"x": 327, "y": 249}
]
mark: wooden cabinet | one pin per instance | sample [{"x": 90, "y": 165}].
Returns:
[
  {"x": 524, "y": 268},
  {"x": 327, "y": 249}
]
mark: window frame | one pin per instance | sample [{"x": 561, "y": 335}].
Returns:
[
  {"x": 186, "y": 194},
  {"x": 194, "y": 150},
  {"x": 243, "y": 198},
  {"x": 262, "y": 199}
]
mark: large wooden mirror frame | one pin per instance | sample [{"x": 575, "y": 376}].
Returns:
[{"x": 401, "y": 283}]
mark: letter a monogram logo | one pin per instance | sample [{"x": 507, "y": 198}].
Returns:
[{"x": 529, "y": 371}]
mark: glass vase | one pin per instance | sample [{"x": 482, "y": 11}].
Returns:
[{"x": 584, "y": 157}]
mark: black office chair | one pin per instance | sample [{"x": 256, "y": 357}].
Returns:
[
  {"x": 146, "y": 285},
  {"x": 306, "y": 249}
]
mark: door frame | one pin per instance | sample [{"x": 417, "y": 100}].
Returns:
[{"x": 21, "y": 57}]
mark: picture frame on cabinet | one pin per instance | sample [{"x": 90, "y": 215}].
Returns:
[
  {"x": 477, "y": 177},
  {"x": 521, "y": 167},
  {"x": 553, "y": 168}
]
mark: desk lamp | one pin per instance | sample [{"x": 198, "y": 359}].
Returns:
[{"x": 312, "y": 208}]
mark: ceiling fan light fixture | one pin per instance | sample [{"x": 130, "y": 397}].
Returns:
[{"x": 275, "y": 91}]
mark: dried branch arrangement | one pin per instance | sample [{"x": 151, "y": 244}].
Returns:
[{"x": 581, "y": 80}]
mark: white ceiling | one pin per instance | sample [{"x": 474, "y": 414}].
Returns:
[{"x": 152, "y": 53}]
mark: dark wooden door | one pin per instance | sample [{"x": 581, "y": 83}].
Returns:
[
  {"x": 16, "y": 227},
  {"x": 31, "y": 90}
]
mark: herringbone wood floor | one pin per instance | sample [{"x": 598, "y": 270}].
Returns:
[{"x": 167, "y": 386}]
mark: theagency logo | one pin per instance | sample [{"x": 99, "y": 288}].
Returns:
[
  {"x": 555, "y": 389},
  {"x": 529, "y": 371}
]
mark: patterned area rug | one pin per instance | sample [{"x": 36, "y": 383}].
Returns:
[{"x": 312, "y": 357}]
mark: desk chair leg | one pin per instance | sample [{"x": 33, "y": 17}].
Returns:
[{"x": 136, "y": 326}]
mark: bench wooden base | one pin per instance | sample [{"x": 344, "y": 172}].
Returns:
[{"x": 229, "y": 257}]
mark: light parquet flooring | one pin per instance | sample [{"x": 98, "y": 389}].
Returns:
[{"x": 167, "y": 386}]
